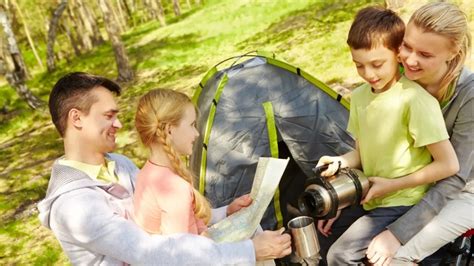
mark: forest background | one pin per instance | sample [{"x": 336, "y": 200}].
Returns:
[{"x": 144, "y": 44}]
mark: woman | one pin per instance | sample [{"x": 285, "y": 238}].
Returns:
[{"x": 433, "y": 53}]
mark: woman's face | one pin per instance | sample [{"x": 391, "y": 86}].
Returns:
[{"x": 424, "y": 55}]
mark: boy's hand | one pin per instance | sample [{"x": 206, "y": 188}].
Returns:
[
  {"x": 332, "y": 162},
  {"x": 239, "y": 203},
  {"x": 324, "y": 226},
  {"x": 378, "y": 187}
]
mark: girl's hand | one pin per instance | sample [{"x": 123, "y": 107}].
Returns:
[
  {"x": 333, "y": 163},
  {"x": 204, "y": 234},
  {"x": 239, "y": 203},
  {"x": 379, "y": 186}
]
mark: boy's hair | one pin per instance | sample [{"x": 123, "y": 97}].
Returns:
[
  {"x": 156, "y": 110},
  {"x": 375, "y": 26},
  {"x": 449, "y": 21},
  {"x": 73, "y": 91}
]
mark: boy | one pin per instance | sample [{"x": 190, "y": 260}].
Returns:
[{"x": 401, "y": 140}]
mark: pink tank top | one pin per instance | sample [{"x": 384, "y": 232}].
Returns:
[{"x": 164, "y": 202}]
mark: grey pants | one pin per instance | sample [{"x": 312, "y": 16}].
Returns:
[
  {"x": 453, "y": 220},
  {"x": 350, "y": 248}
]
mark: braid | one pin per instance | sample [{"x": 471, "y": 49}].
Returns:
[{"x": 202, "y": 207}]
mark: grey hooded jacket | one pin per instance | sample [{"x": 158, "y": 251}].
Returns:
[
  {"x": 459, "y": 119},
  {"x": 89, "y": 220}
]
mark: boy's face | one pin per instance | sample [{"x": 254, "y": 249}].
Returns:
[{"x": 378, "y": 66}]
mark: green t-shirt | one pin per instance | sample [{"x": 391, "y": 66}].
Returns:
[{"x": 393, "y": 129}]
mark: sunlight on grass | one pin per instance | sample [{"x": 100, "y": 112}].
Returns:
[{"x": 310, "y": 34}]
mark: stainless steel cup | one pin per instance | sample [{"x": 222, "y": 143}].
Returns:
[{"x": 304, "y": 237}]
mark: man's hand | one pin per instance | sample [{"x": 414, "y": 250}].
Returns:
[
  {"x": 239, "y": 203},
  {"x": 378, "y": 187},
  {"x": 382, "y": 248},
  {"x": 271, "y": 245},
  {"x": 324, "y": 226}
]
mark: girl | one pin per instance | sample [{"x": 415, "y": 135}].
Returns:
[{"x": 165, "y": 200}]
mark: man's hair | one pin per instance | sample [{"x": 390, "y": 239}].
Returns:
[
  {"x": 74, "y": 91},
  {"x": 374, "y": 26}
]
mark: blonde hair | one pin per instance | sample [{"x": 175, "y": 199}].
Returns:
[
  {"x": 156, "y": 110},
  {"x": 449, "y": 21}
]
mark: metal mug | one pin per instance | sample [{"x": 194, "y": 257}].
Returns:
[{"x": 304, "y": 237}]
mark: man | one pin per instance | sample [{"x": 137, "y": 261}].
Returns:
[{"x": 86, "y": 204}]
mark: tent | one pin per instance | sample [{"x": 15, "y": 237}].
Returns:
[{"x": 264, "y": 107}]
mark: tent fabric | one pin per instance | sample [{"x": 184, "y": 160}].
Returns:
[{"x": 310, "y": 119}]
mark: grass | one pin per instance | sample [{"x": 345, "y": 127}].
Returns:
[{"x": 309, "y": 34}]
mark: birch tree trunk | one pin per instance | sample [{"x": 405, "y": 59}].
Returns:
[
  {"x": 122, "y": 14},
  {"x": 82, "y": 34},
  {"x": 125, "y": 72},
  {"x": 91, "y": 19},
  {"x": 67, "y": 30},
  {"x": 117, "y": 19},
  {"x": 155, "y": 9},
  {"x": 53, "y": 25},
  {"x": 176, "y": 8},
  {"x": 16, "y": 75},
  {"x": 27, "y": 33}
]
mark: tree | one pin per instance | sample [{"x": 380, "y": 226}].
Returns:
[
  {"x": 156, "y": 11},
  {"x": 53, "y": 25},
  {"x": 16, "y": 74},
  {"x": 176, "y": 8},
  {"x": 125, "y": 72},
  {"x": 27, "y": 33},
  {"x": 89, "y": 22}
]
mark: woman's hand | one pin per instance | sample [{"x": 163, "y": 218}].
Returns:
[{"x": 382, "y": 248}]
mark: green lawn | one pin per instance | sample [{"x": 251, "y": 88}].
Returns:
[{"x": 309, "y": 34}]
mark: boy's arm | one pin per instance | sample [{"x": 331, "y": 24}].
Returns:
[
  {"x": 462, "y": 139},
  {"x": 350, "y": 159},
  {"x": 444, "y": 164},
  {"x": 405, "y": 227}
]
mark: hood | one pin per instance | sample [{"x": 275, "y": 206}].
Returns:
[{"x": 63, "y": 179}]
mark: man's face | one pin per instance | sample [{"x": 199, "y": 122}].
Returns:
[{"x": 100, "y": 125}]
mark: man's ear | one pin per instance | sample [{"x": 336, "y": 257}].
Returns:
[{"x": 75, "y": 117}]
